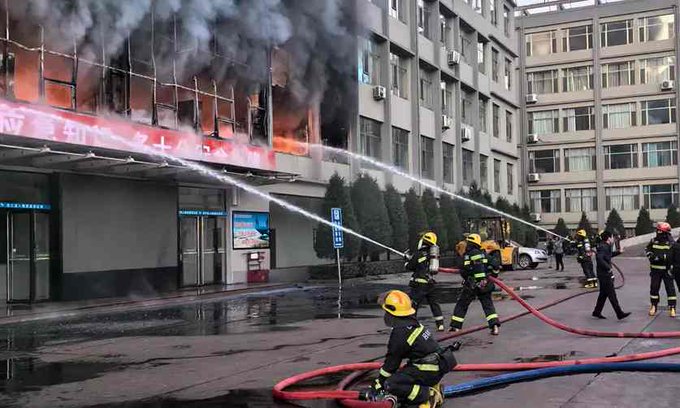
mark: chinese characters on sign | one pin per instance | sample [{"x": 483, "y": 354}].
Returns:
[
  {"x": 336, "y": 219},
  {"x": 250, "y": 230}
]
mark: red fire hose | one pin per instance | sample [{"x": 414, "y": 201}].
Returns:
[{"x": 350, "y": 397}]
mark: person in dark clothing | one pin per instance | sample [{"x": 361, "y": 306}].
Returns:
[
  {"x": 559, "y": 254},
  {"x": 476, "y": 269},
  {"x": 550, "y": 249},
  {"x": 417, "y": 383},
  {"x": 424, "y": 265},
  {"x": 604, "y": 275},
  {"x": 675, "y": 261},
  {"x": 584, "y": 257},
  {"x": 658, "y": 252}
]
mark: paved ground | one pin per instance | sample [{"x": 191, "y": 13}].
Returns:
[{"x": 230, "y": 351}]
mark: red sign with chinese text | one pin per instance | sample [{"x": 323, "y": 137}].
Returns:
[{"x": 112, "y": 132}]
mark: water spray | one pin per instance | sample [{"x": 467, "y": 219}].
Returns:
[
  {"x": 223, "y": 178},
  {"x": 395, "y": 170}
]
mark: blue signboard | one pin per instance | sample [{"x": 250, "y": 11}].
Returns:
[
  {"x": 25, "y": 206},
  {"x": 202, "y": 213},
  {"x": 338, "y": 236},
  {"x": 250, "y": 230}
]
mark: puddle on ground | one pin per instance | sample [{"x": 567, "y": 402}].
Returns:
[
  {"x": 547, "y": 357},
  {"x": 560, "y": 285},
  {"x": 27, "y": 374}
]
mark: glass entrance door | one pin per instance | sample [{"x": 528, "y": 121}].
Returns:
[
  {"x": 203, "y": 250},
  {"x": 27, "y": 276}
]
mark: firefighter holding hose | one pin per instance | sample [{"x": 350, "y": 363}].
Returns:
[
  {"x": 584, "y": 256},
  {"x": 476, "y": 268},
  {"x": 417, "y": 383},
  {"x": 658, "y": 253},
  {"x": 424, "y": 265}
]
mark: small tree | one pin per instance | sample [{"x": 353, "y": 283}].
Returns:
[
  {"x": 644, "y": 224},
  {"x": 336, "y": 196},
  {"x": 673, "y": 216},
  {"x": 614, "y": 223},
  {"x": 369, "y": 208},
  {"x": 417, "y": 220},
  {"x": 561, "y": 228},
  {"x": 398, "y": 219},
  {"x": 454, "y": 229},
  {"x": 434, "y": 218},
  {"x": 585, "y": 224}
]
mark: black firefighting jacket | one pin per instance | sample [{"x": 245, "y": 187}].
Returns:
[
  {"x": 582, "y": 249},
  {"x": 475, "y": 265},
  {"x": 412, "y": 341},
  {"x": 658, "y": 251},
  {"x": 419, "y": 264}
]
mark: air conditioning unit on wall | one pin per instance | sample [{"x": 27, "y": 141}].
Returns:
[
  {"x": 447, "y": 122},
  {"x": 532, "y": 138},
  {"x": 532, "y": 98},
  {"x": 379, "y": 93},
  {"x": 667, "y": 85},
  {"x": 535, "y": 217},
  {"x": 465, "y": 134},
  {"x": 533, "y": 177},
  {"x": 453, "y": 58}
]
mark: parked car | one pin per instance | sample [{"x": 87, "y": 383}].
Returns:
[{"x": 529, "y": 258}]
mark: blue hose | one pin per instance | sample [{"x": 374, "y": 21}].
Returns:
[{"x": 530, "y": 375}]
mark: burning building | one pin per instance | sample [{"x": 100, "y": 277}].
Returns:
[{"x": 93, "y": 93}]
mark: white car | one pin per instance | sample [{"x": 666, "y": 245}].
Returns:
[{"x": 529, "y": 258}]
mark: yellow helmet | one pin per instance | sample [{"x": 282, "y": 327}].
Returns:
[
  {"x": 475, "y": 238},
  {"x": 430, "y": 238},
  {"x": 397, "y": 303},
  {"x": 581, "y": 233}
]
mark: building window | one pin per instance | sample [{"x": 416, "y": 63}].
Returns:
[
  {"x": 659, "y": 154},
  {"x": 507, "y": 76},
  {"x": 427, "y": 157},
  {"x": 619, "y": 116},
  {"x": 616, "y": 33},
  {"x": 477, "y": 5},
  {"x": 542, "y": 82},
  {"x": 481, "y": 58},
  {"x": 370, "y": 138},
  {"x": 466, "y": 108},
  {"x": 657, "y": 28},
  {"x": 618, "y": 74},
  {"x": 482, "y": 116},
  {"x": 496, "y": 121},
  {"x": 544, "y": 161},
  {"x": 466, "y": 49},
  {"x": 506, "y": 21},
  {"x": 369, "y": 63},
  {"x": 544, "y": 122},
  {"x": 483, "y": 172},
  {"x": 426, "y": 89},
  {"x": 578, "y": 38},
  {"x": 447, "y": 99},
  {"x": 658, "y": 111},
  {"x": 623, "y": 198},
  {"x": 468, "y": 171},
  {"x": 398, "y": 10},
  {"x": 399, "y": 68},
  {"x": 538, "y": 44},
  {"x": 623, "y": 156},
  {"x": 545, "y": 201},
  {"x": 445, "y": 33},
  {"x": 494, "y": 65},
  {"x": 511, "y": 178},
  {"x": 660, "y": 196},
  {"x": 447, "y": 156},
  {"x": 580, "y": 199},
  {"x": 492, "y": 12},
  {"x": 496, "y": 176},
  {"x": 577, "y": 79},
  {"x": 508, "y": 126},
  {"x": 657, "y": 70},
  {"x": 581, "y": 159},
  {"x": 424, "y": 14},
  {"x": 577, "y": 119},
  {"x": 400, "y": 148}
]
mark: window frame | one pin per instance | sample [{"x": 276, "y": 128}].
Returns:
[
  {"x": 569, "y": 200},
  {"x": 605, "y": 31},
  {"x": 644, "y": 111},
  {"x": 647, "y": 195},
  {"x": 590, "y": 115},
  {"x": 553, "y": 199},
  {"x": 618, "y": 74},
  {"x": 555, "y": 158},
  {"x": 671, "y": 151},
  {"x": 448, "y": 156},
  {"x": 610, "y": 156},
  {"x": 427, "y": 163},
  {"x": 370, "y": 143},
  {"x": 635, "y": 197},
  {"x": 570, "y": 153},
  {"x": 529, "y": 40},
  {"x": 400, "y": 149},
  {"x": 567, "y": 39},
  {"x": 632, "y": 115}
]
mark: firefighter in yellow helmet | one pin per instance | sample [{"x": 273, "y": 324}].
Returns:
[
  {"x": 658, "y": 252},
  {"x": 417, "y": 383},
  {"x": 584, "y": 256},
  {"x": 475, "y": 284},
  {"x": 424, "y": 265}
]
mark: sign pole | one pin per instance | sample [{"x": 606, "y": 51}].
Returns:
[
  {"x": 338, "y": 242},
  {"x": 337, "y": 257}
]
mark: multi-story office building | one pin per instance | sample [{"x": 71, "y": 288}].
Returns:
[
  {"x": 599, "y": 126},
  {"x": 438, "y": 92}
]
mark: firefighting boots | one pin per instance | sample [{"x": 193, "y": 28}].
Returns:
[
  {"x": 436, "y": 398},
  {"x": 652, "y": 310},
  {"x": 495, "y": 330},
  {"x": 439, "y": 321},
  {"x": 671, "y": 311}
]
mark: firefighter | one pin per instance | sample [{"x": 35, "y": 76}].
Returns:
[
  {"x": 584, "y": 256},
  {"x": 417, "y": 383},
  {"x": 476, "y": 269},
  {"x": 604, "y": 256},
  {"x": 424, "y": 265},
  {"x": 658, "y": 253}
]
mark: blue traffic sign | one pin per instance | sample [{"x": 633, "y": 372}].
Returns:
[{"x": 338, "y": 236}]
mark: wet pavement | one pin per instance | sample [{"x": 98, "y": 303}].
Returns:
[{"x": 228, "y": 352}]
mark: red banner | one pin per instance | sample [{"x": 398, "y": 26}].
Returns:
[{"x": 112, "y": 132}]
